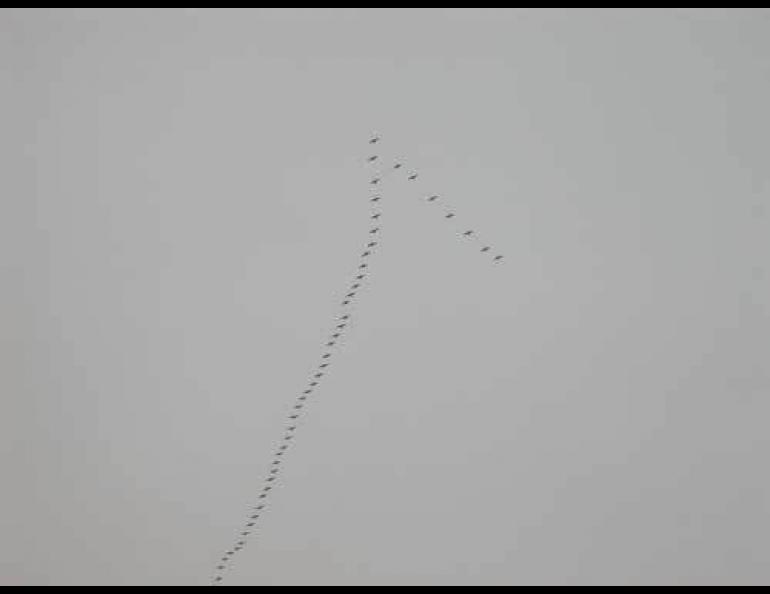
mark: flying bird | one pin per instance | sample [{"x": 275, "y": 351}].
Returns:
[
  {"x": 486, "y": 249},
  {"x": 376, "y": 217},
  {"x": 413, "y": 177},
  {"x": 373, "y": 159},
  {"x": 468, "y": 233},
  {"x": 450, "y": 215},
  {"x": 498, "y": 258},
  {"x": 376, "y": 181},
  {"x": 374, "y": 140},
  {"x": 432, "y": 198},
  {"x": 397, "y": 166},
  {"x": 376, "y": 199}
]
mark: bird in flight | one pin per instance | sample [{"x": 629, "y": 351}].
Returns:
[
  {"x": 413, "y": 177},
  {"x": 374, "y": 140},
  {"x": 468, "y": 233},
  {"x": 373, "y": 159},
  {"x": 432, "y": 198}
]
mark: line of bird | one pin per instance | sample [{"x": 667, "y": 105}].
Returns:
[
  {"x": 342, "y": 324},
  {"x": 434, "y": 199}
]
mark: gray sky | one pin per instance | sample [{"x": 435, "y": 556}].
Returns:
[{"x": 182, "y": 204}]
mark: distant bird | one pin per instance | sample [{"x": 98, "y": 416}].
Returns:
[
  {"x": 331, "y": 344},
  {"x": 374, "y": 231},
  {"x": 413, "y": 177},
  {"x": 373, "y": 159},
  {"x": 468, "y": 233},
  {"x": 294, "y": 417},
  {"x": 374, "y": 244},
  {"x": 374, "y": 140},
  {"x": 376, "y": 199},
  {"x": 376, "y": 181},
  {"x": 352, "y": 295},
  {"x": 498, "y": 258},
  {"x": 337, "y": 335},
  {"x": 397, "y": 166},
  {"x": 361, "y": 277},
  {"x": 345, "y": 303},
  {"x": 450, "y": 215},
  {"x": 486, "y": 249},
  {"x": 376, "y": 217},
  {"x": 356, "y": 287},
  {"x": 363, "y": 266},
  {"x": 345, "y": 317},
  {"x": 327, "y": 356},
  {"x": 432, "y": 198}
]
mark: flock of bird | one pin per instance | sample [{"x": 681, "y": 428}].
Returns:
[{"x": 341, "y": 325}]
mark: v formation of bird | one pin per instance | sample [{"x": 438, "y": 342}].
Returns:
[{"x": 341, "y": 326}]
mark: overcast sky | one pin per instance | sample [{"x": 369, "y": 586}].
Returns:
[{"x": 183, "y": 201}]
